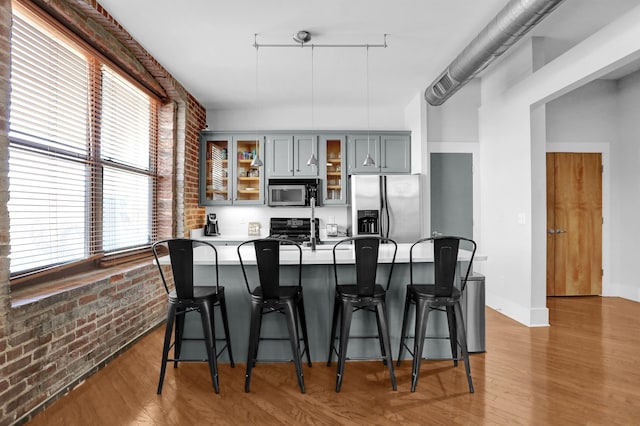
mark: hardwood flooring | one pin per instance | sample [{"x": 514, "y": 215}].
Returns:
[{"x": 584, "y": 369}]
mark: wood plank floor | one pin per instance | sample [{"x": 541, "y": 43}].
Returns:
[{"x": 584, "y": 369}]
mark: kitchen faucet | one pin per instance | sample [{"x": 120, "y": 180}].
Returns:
[{"x": 312, "y": 203}]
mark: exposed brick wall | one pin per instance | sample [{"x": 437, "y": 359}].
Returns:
[
  {"x": 196, "y": 119},
  {"x": 48, "y": 345},
  {"x": 55, "y": 342}
]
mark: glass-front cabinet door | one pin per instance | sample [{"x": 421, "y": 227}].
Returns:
[
  {"x": 248, "y": 187},
  {"x": 215, "y": 169},
  {"x": 227, "y": 175},
  {"x": 333, "y": 169}
]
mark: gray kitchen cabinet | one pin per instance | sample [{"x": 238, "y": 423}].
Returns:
[
  {"x": 395, "y": 153},
  {"x": 226, "y": 174},
  {"x": 287, "y": 155},
  {"x": 390, "y": 151},
  {"x": 332, "y": 162},
  {"x": 359, "y": 145}
]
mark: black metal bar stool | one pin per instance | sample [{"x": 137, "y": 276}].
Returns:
[
  {"x": 187, "y": 297},
  {"x": 271, "y": 297},
  {"x": 440, "y": 293},
  {"x": 364, "y": 294}
]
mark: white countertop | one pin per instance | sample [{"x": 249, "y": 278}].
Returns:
[{"x": 228, "y": 255}]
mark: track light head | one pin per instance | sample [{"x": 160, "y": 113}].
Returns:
[{"x": 302, "y": 36}]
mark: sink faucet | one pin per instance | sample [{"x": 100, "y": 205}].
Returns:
[{"x": 312, "y": 203}]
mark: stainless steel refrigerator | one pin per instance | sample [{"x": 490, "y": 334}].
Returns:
[{"x": 389, "y": 206}]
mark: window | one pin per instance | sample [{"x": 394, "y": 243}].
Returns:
[{"x": 82, "y": 147}]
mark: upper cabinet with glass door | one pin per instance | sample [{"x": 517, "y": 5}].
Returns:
[
  {"x": 228, "y": 173},
  {"x": 249, "y": 187},
  {"x": 332, "y": 165},
  {"x": 215, "y": 168}
]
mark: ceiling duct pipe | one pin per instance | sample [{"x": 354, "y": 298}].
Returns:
[{"x": 509, "y": 25}]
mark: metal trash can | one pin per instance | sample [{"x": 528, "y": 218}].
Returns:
[{"x": 473, "y": 312}]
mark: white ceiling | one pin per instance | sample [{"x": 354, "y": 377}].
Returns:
[{"x": 207, "y": 45}]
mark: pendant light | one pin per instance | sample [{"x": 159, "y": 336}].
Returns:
[
  {"x": 312, "y": 161},
  {"x": 368, "y": 161},
  {"x": 256, "y": 162}
]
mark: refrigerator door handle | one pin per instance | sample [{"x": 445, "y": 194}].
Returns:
[
  {"x": 382, "y": 206},
  {"x": 384, "y": 232}
]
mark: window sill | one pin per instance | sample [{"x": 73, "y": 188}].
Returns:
[{"x": 37, "y": 292}]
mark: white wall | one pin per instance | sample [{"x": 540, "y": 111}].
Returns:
[
  {"x": 457, "y": 119},
  {"x": 584, "y": 115},
  {"x": 511, "y": 205},
  {"x": 625, "y": 193},
  {"x": 293, "y": 118}
]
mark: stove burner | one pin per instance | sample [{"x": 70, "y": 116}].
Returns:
[{"x": 298, "y": 230}]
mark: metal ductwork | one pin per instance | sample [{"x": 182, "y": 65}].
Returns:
[{"x": 509, "y": 25}]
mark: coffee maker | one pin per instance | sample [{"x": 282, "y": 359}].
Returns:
[{"x": 211, "y": 228}]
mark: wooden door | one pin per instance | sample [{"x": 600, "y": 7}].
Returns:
[{"x": 574, "y": 224}]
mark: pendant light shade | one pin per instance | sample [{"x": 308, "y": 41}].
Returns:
[
  {"x": 368, "y": 161},
  {"x": 312, "y": 161},
  {"x": 256, "y": 161}
]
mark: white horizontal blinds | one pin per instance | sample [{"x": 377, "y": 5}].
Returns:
[
  {"x": 47, "y": 155},
  {"x": 50, "y": 91},
  {"x": 82, "y": 152},
  {"x": 128, "y": 182}
]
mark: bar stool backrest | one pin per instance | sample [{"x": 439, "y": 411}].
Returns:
[
  {"x": 445, "y": 256},
  {"x": 445, "y": 253},
  {"x": 366, "y": 250},
  {"x": 268, "y": 260},
  {"x": 181, "y": 256},
  {"x": 267, "y": 251}
]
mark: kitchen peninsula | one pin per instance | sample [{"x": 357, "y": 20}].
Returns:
[{"x": 318, "y": 287}]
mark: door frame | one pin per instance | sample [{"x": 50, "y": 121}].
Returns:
[
  {"x": 472, "y": 148},
  {"x": 603, "y": 149}
]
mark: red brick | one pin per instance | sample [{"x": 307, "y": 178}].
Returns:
[
  {"x": 15, "y": 365},
  {"x": 65, "y": 307},
  {"x": 87, "y": 299}
]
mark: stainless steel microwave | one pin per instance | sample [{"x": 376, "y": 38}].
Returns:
[{"x": 292, "y": 192}]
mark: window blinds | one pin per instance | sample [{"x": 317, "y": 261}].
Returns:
[{"x": 81, "y": 157}]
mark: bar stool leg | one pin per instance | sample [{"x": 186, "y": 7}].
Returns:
[
  {"x": 334, "y": 326},
  {"x": 346, "y": 311},
  {"x": 171, "y": 315},
  {"x": 463, "y": 344},
  {"x": 206, "y": 316},
  {"x": 403, "y": 333},
  {"x": 254, "y": 335},
  {"x": 453, "y": 338},
  {"x": 422, "y": 316},
  {"x": 383, "y": 351},
  {"x": 303, "y": 321},
  {"x": 381, "y": 314},
  {"x": 179, "y": 332},
  {"x": 291, "y": 314},
  {"x": 225, "y": 323}
]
